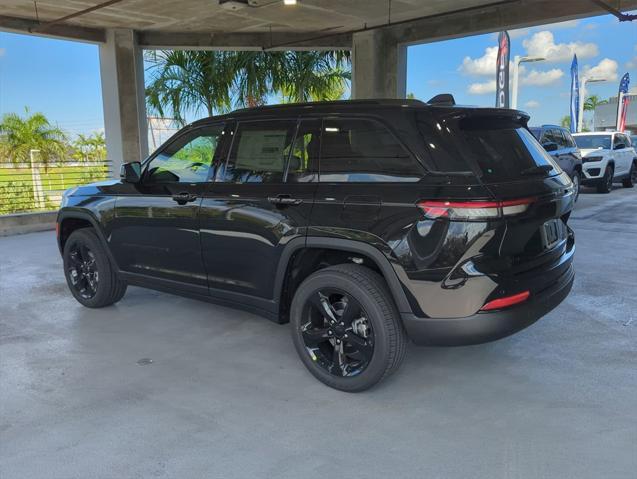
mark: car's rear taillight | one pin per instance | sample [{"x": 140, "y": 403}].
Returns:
[
  {"x": 474, "y": 210},
  {"x": 506, "y": 301}
]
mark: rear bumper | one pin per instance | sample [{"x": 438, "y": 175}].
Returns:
[{"x": 488, "y": 326}]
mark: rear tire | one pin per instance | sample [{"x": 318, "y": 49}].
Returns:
[
  {"x": 345, "y": 327},
  {"x": 630, "y": 181},
  {"x": 90, "y": 276},
  {"x": 605, "y": 185}
]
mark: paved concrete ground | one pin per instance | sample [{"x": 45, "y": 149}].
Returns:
[{"x": 226, "y": 397}]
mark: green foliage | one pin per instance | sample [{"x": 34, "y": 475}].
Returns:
[
  {"x": 566, "y": 121},
  {"x": 592, "y": 101},
  {"x": 89, "y": 148},
  {"x": 209, "y": 82},
  {"x": 20, "y": 194},
  {"x": 20, "y": 135}
]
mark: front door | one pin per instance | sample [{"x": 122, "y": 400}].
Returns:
[
  {"x": 261, "y": 200},
  {"x": 156, "y": 230}
]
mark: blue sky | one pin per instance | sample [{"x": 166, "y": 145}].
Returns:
[{"x": 62, "y": 79}]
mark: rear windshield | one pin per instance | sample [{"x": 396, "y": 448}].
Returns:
[
  {"x": 537, "y": 132},
  {"x": 592, "y": 142},
  {"x": 497, "y": 149}
]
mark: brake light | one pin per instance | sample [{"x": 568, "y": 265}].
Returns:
[
  {"x": 506, "y": 301},
  {"x": 474, "y": 209}
]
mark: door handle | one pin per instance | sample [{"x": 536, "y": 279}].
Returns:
[
  {"x": 184, "y": 197},
  {"x": 284, "y": 200}
]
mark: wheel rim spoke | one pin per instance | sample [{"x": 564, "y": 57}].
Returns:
[
  {"x": 337, "y": 334},
  {"x": 361, "y": 345},
  {"x": 82, "y": 271},
  {"x": 314, "y": 337}
]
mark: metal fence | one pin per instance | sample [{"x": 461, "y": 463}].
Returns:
[{"x": 38, "y": 187}]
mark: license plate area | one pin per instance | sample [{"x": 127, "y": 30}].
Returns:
[{"x": 552, "y": 232}]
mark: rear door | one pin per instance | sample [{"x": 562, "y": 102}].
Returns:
[
  {"x": 369, "y": 181},
  {"x": 261, "y": 199},
  {"x": 623, "y": 156}
]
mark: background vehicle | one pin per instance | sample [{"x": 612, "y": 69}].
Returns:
[
  {"x": 559, "y": 143},
  {"x": 607, "y": 158},
  {"x": 360, "y": 222}
]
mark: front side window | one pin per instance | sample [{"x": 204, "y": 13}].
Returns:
[
  {"x": 362, "y": 150},
  {"x": 187, "y": 159},
  {"x": 260, "y": 152}
]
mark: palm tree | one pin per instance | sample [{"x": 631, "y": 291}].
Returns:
[
  {"x": 566, "y": 121},
  {"x": 189, "y": 82},
  {"x": 311, "y": 75},
  {"x": 592, "y": 101},
  {"x": 90, "y": 147},
  {"x": 186, "y": 83},
  {"x": 20, "y": 135}
]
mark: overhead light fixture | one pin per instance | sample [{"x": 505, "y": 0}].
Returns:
[{"x": 289, "y": 2}]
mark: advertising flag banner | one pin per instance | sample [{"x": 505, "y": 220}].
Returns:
[
  {"x": 574, "y": 95},
  {"x": 622, "y": 102},
  {"x": 502, "y": 71}
]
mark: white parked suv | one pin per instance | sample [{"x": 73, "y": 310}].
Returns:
[{"x": 607, "y": 157}]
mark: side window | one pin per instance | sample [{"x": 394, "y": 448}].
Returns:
[
  {"x": 304, "y": 159},
  {"x": 616, "y": 140},
  {"x": 362, "y": 150},
  {"x": 555, "y": 136},
  {"x": 260, "y": 152},
  {"x": 186, "y": 160},
  {"x": 570, "y": 143}
]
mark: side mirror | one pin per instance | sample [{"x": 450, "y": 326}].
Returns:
[
  {"x": 550, "y": 146},
  {"x": 619, "y": 146},
  {"x": 131, "y": 172}
]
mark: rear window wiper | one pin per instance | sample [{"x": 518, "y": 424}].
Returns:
[{"x": 537, "y": 170}]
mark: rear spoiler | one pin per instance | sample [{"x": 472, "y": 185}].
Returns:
[{"x": 444, "y": 99}]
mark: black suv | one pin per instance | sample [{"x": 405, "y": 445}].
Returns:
[
  {"x": 558, "y": 141},
  {"x": 362, "y": 223}
]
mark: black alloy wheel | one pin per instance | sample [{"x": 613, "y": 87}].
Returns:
[
  {"x": 336, "y": 332},
  {"x": 89, "y": 272},
  {"x": 82, "y": 270},
  {"x": 632, "y": 176},
  {"x": 346, "y": 328},
  {"x": 606, "y": 183}
]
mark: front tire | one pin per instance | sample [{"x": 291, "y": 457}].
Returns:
[
  {"x": 630, "y": 181},
  {"x": 345, "y": 327},
  {"x": 606, "y": 183},
  {"x": 90, "y": 276},
  {"x": 577, "y": 181}
]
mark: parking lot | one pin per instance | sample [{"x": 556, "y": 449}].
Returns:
[{"x": 163, "y": 386}]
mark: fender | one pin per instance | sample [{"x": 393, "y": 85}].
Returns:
[
  {"x": 64, "y": 214},
  {"x": 340, "y": 244}
]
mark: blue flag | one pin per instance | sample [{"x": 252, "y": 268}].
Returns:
[{"x": 574, "y": 95}]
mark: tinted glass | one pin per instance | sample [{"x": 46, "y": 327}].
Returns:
[
  {"x": 570, "y": 143},
  {"x": 186, "y": 160},
  {"x": 260, "y": 152},
  {"x": 498, "y": 149},
  {"x": 591, "y": 142},
  {"x": 303, "y": 164},
  {"x": 360, "y": 150},
  {"x": 619, "y": 140},
  {"x": 537, "y": 133}
]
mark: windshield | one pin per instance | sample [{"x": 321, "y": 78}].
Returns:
[{"x": 592, "y": 142}]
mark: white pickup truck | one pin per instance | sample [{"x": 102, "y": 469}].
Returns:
[{"x": 607, "y": 157}]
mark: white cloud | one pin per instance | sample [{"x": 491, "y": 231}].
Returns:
[
  {"x": 542, "y": 44},
  {"x": 484, "y": 65},
  {"x": 482, "y": 88},
  {"x": 532, "y": 104},
  {"x": 632, "y": 63},
  {"x": 606, "y": 69},
  {"x": 541, "y": 78}
]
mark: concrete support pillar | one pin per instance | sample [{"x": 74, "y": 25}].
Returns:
[
  {"x": 122, "y": 72},
  {"x": 379, "y": 66}
]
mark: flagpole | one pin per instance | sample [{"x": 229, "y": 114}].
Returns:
[{"x": 620, "y": 106}]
